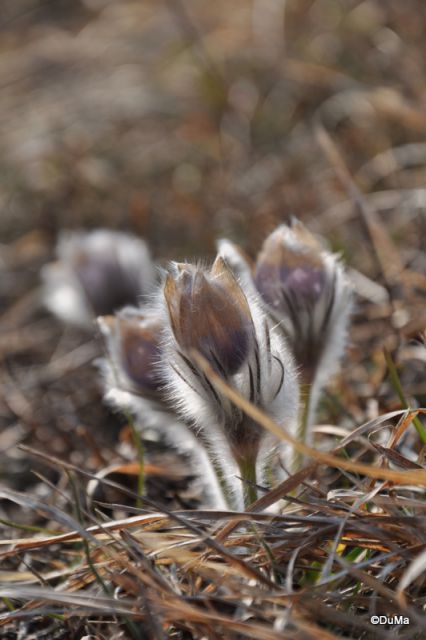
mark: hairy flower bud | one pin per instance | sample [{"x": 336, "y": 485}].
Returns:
[
  {"x": 96, "y": 273},
  {"x": 307, "y": 292},
  {"x": 209, "y": 313}
]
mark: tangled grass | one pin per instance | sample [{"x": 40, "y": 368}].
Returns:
[{"x": 347, "y": 546}]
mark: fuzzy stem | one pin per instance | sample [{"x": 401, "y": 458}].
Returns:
[
  {"x": 247, "y": 468},
  {"x": 302, "y": 430}
]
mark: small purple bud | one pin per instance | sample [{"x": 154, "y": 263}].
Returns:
[
  {"x": 141, "y": 353},
  {"x": 307, "y": 292},
  {"x": 289, "y": 274}
]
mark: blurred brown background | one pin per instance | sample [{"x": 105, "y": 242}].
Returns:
[{"x": 185, "y": 121}]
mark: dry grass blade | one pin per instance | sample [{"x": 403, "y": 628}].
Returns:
[
  {"x": 396, "y": 458},
  {"x": 246, "y": 569},
  {"x": 417, "y": 477}
]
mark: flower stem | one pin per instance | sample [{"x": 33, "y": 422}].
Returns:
[
  {"x": 305, "y": 398},
  {"x": 248, "y": 474}
]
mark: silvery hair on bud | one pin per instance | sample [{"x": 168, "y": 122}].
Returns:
[
  {"x": 261, "y": 369},
  {"x": 96, "y": 272},
  {"x": 335, "y": 315},
  {"x": 239, "y": 264},
  {"x": 309, "y": 294},
  {"x": 142, "y": 397}
]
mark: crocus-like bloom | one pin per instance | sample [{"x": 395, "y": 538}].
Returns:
[
  {"x": 133, "y": 381},
  {"x": 209, "y": 313},
  {"x": 96, "y": 273},
  {"x": 307, "y": 292}
]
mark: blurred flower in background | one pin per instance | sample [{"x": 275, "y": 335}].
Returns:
[
  {"x": 96, "y": 273},
  {"x": 133, "y": 338}
]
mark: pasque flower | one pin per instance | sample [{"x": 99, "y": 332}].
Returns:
[
  {"x": 133, "y": 382},
  {"x": 96, "y": 273},
  {"x": 305, "y": 290},
  {"x": 208, "y": 312}
]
